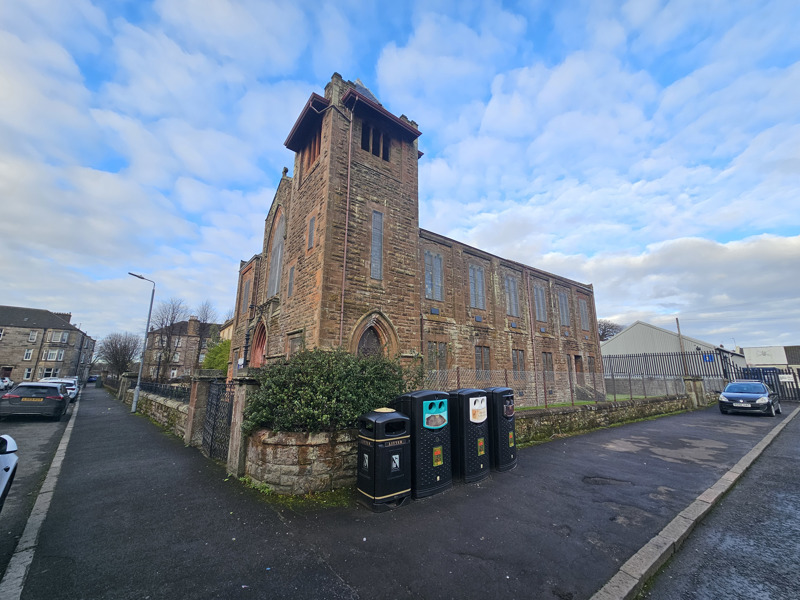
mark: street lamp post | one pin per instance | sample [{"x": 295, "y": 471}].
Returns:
[{"x": 144, "y": 345}]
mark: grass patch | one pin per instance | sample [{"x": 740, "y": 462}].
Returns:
[{"x": 340, "y": 498}]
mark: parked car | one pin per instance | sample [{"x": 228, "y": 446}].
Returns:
[
  {"x": 6, "y": 383},
  {"x": 47, "y": 398},
  {"x": 70, "y": 382},
  {"x": 8, "y": 466},
  {"x": 749, "y": 396},
  {"x": 92, "y": 379}
]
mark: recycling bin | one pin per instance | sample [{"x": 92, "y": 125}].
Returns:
[
  {"x": 470, "y": 434},
  {"x": 383, "y": 477},
  {"x": 502, "y": 432},
  {"x": 431, "y": 466}
]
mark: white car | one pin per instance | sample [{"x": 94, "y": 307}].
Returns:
[
  {"x": 6, "y": 383},
  {"x": 8, "y": 465},
  {"x": 70, "y": 382}
]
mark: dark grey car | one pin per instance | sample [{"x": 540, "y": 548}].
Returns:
[
  {"x": 749, "y": 396},
  {"x": 47, "y": 398}
]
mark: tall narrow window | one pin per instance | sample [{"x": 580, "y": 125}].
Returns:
[
  {"x": 482, "y": 362},
  {"x": 276, "y": 258},
  {"x": 376, "y": 258},
  {"x": 563, "y": 307},
  {"x": 590, "y": 363},
  {"x": 477, "y": 298},
  {"x": 32, "y": 336},
  {"x": 547, "y": 367},
  {"x": 437, "y": 356},
  {"x": 245, "y": 302},
  {"x": 512, "y": 296},
  {"x": 434, "y": 280},
  {"x": 540, "y": 302},
  {"x": 584, "y": 308},
  {"x": 375, "y": 141},
  {"x": 310, "y": 234},
  {"x": 518, "y": 363},
  {"x": 290, "y": 291},
  {"x": 28, "y": 354}
]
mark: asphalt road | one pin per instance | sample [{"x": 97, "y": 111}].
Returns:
[
  {"x": 135, "y": 514},
  {"x": 37, "y": 439},
  {"x": 747, "y": 547}
]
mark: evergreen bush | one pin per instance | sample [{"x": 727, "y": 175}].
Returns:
[{"x": 320, "y": 390}]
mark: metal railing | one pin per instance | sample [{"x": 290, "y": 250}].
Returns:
[{"x": 165, "y": 390}]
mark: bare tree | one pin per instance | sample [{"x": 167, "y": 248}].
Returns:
[
  {"x": 119, "y": 351},
  {"x": 164, "y": 333},
  {"x": 209, "y": 330},
  {"x": 229, "y": 314},
  {"x": 607, "y": 329}
]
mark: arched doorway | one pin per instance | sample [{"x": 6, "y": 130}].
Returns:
[{"x": 259, "y": 343}]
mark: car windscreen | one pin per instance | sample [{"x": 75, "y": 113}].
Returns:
[
  {"x": 36, "y": 391},
  {"x": 746, "y": 388}
]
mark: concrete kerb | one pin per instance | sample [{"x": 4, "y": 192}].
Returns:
[{"x": 632, "y": 576}]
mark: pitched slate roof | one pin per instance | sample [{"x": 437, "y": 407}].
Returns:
[{"x": 35, "y": 318}]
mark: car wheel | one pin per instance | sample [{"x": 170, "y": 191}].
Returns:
[
  {"x": 772, "y": 410},
  {"x": 722, "y": 410},
  {"x": 779, "y": 410}
]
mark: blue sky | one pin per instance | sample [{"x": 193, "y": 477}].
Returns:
[{"x": 650, "y": 147}]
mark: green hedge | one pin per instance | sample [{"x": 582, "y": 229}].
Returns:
[{"x": 321, "y": 390}]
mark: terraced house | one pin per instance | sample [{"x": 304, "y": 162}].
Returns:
[
  {"x": 344, "y": 263},
  {"x": 36, "y": 343}
]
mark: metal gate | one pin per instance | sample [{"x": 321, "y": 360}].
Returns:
[
  {"x": 783, "y": 381},
  {"x": 217, "y": 426}
]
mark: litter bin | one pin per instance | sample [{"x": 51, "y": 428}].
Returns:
[
  {"x": 431, "y": 467},
  {"x": 470, "y": 434},
  {"x": 502, "y": 433},
  {"x": 384, "y": 459}
]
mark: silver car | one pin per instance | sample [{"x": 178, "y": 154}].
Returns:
[{"x": 8, "y": 466}]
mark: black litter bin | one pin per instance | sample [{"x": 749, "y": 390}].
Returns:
[
  {"x": 502, "y": 433},
  {"x": 384, "y": 459},
  {"x": 431, "y": 467},
  {"x": 470, "y": 434}
]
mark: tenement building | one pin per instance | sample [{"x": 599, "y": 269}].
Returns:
[
  {"x": 37, "y": 343},
  {"x": 176, "y": 350},
  {"x": 345, "y": 264}
]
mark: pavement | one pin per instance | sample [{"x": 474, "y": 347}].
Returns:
[{"x": 133, "y": 513}]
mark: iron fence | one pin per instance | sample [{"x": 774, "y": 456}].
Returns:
[{"x": 165, "y": 390}]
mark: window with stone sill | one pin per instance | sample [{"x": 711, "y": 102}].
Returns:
[
  {"x": 32, "y": 336},
  {"x": 28, "y": 354}
]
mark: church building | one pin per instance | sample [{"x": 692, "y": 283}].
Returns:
[{"x": 345, "y": 264}]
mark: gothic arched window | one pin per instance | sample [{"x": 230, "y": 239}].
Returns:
[
  {"x": 276, "y": 257},
  {"x": 370, "y": 343}
]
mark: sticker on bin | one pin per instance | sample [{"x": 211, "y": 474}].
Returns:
[
  {"x": 438, "y": 456},
  {"x": 434, "y": 414},
  {"x": 481, "y": 447},
  {"x": 477, "y": 409},
  {"x": 510, "y": 439},
  {"x": 395, "y": 462}
]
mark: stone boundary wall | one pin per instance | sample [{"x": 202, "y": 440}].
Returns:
[
  {"x": 170, "y": 414},
  {"x": 299, "y": 463},
  {"x": 543, "y": 424}
]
